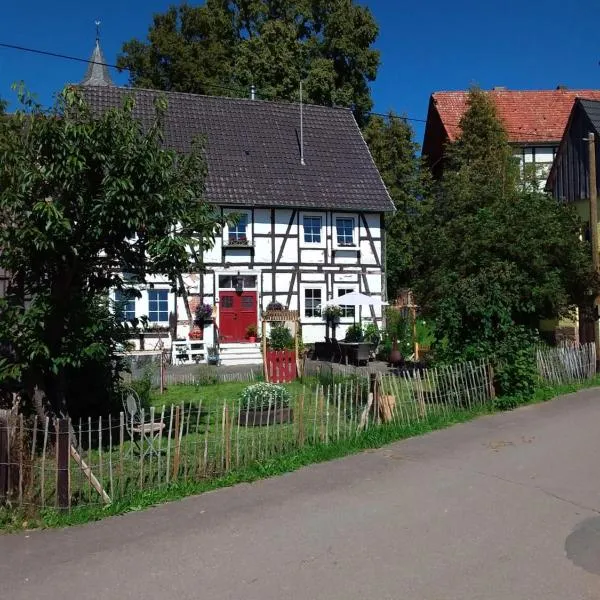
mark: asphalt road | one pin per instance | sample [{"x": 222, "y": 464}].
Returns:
[{"x": 507, "y": 506}]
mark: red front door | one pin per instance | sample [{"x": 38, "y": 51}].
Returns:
[{"x": 236, "y": 313}]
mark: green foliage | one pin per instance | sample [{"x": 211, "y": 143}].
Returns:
[
  {"x": 495, "y": 257},
  {"x": 408, "y": 182},
  {"x": 354, "y": 333},
  {"x": 83, "y": 196},
  {"x": 143, "y": 388},
  {"x": 272, "y": 44},
  {"x": 262, "y": 395},
  {"x": 371, "y": 333},
  {"x": 281, "y": 338},
  {"x": 207, "y": 375},
  {"x": 398, "y": 327},
  {"x": 332, "y": 313}
]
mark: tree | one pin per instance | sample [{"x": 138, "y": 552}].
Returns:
[
  {"x": 495, "y": 257},
  {"x": 85, "y": 198},
  {"x": 272, "y": 44},
  {"x": 408, "y": 182}
]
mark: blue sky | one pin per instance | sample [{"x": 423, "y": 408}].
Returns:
[{"x": 425, "y": 45}]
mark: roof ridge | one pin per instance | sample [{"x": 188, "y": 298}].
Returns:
[{"x": 230, "y": 98}]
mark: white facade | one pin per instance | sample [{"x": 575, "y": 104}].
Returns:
[
  {"x": 299, "y": 258},
  {"x": 538, "y": 158}
]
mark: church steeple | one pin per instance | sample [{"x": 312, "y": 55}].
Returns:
[{"x": 97, "y": 71}]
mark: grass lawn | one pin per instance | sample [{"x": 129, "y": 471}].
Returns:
[{"x": 211, "y": 394}]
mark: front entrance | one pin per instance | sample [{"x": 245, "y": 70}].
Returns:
[{"x": 237, "y": 310}]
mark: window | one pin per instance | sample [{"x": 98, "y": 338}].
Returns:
[
  {"x": 344, "y": 231},
  {"x": 347, "y": 311},
  {"x": 124, "y": 305},
  {"x": 238, "y": 232},
  {"x": 158, "y": 306},
  {"x": 312, "y": 230},
  {"x": 312, "y": 302},
  {"x": 226, "y": 302}
]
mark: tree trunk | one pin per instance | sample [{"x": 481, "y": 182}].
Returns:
[{"x": 186, "y": 301}]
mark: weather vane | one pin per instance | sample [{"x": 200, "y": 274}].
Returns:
[{"x": 97, "y": 28}]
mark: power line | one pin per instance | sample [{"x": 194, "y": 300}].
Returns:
[
  {"x": 96, "y": 62},
  {"x": 237, "y": 91}
]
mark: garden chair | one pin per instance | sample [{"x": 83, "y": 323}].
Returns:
[{"x": 143, "y": 434}]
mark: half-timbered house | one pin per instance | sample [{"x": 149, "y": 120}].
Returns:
[{"x": 310, "y": 208}]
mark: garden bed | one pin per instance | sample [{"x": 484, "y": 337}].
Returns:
[{"x": 261, "y": 418}]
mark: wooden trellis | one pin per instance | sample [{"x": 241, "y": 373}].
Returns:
[{"x": 280, "y": 316}]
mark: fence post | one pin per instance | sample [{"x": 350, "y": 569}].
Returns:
[
  {"x": 63, "y": 444},
  {"x": 491, "y": 382},
  {"x": 4, "y": 460}
]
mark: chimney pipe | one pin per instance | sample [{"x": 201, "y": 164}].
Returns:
[{"x": 252, "y": 92}]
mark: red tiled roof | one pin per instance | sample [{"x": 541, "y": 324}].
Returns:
[{"x": 529, "y": 116}]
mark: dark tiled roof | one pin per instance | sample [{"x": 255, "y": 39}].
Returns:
[
  {"x": 253, "y": 150},
  {"x": 592, "y": 110}
]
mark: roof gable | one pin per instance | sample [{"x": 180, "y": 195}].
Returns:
[{"x": 253, "y": 149}]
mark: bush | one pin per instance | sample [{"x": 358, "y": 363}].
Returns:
[
  {"x": 372, "y": 334},
  {"x": 260, "y": 395},
  {"x": 207, "y": 375},
  {"x": 281, "y": 338},
  {"x": 516, "y": 369},
  {"x": 354, "y": 333}
]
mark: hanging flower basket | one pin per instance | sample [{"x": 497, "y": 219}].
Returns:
[
  {"x": 203, "y": 314},
  {"x": 332, "y": 314}
]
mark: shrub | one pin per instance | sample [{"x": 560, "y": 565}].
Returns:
[
  {"x": 371, "y": 333},
  {"x": 260, "y": 395},
  {"x": 332, "y": 313},
  {"x": 207, "y": 375},
  {"x": 354, "y": 333},
  {"x": 281, "y": 338}
]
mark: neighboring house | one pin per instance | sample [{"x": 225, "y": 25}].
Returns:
[
  {"x": 569, "y": 178},
  {"x": 307, "y": 231},
  {"x": 534, "y": 120}
]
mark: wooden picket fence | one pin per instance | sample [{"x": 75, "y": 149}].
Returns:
[
  {"x": 64, "y": 464},
  {"x": 566, "y": 363}
]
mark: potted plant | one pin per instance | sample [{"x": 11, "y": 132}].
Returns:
[
  {"x": 196, "y": 333},
  {"x": 332, "y": 314},
  {"x": 203, "y": 314},
  {"x": 251, "y": 333},
  {"x": 354, "y": 334},
  {"x": 212, "y": 355},
  {"x": 265, "y": 404}
]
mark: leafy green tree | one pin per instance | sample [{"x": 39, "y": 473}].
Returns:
[
  {"x": 272, "y": 44},
  {"x": 408, "y": 182},
  {"x": 85, "y": 198},
  {"x": 495, "y": 257}
]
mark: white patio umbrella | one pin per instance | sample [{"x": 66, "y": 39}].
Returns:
[{"x": 355, "y": 299}]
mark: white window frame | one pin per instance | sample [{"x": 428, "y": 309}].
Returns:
[
  {"x": 353, "y": 287},
  {"x": 249, "y": 226},
  {"x": 170, "y": 305},
  {"x": 323, "y": 242},
  {"x": 355, "y": 231},
  {"x": 312, "y": 286},
  {"x": 132, "y": 299}
]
